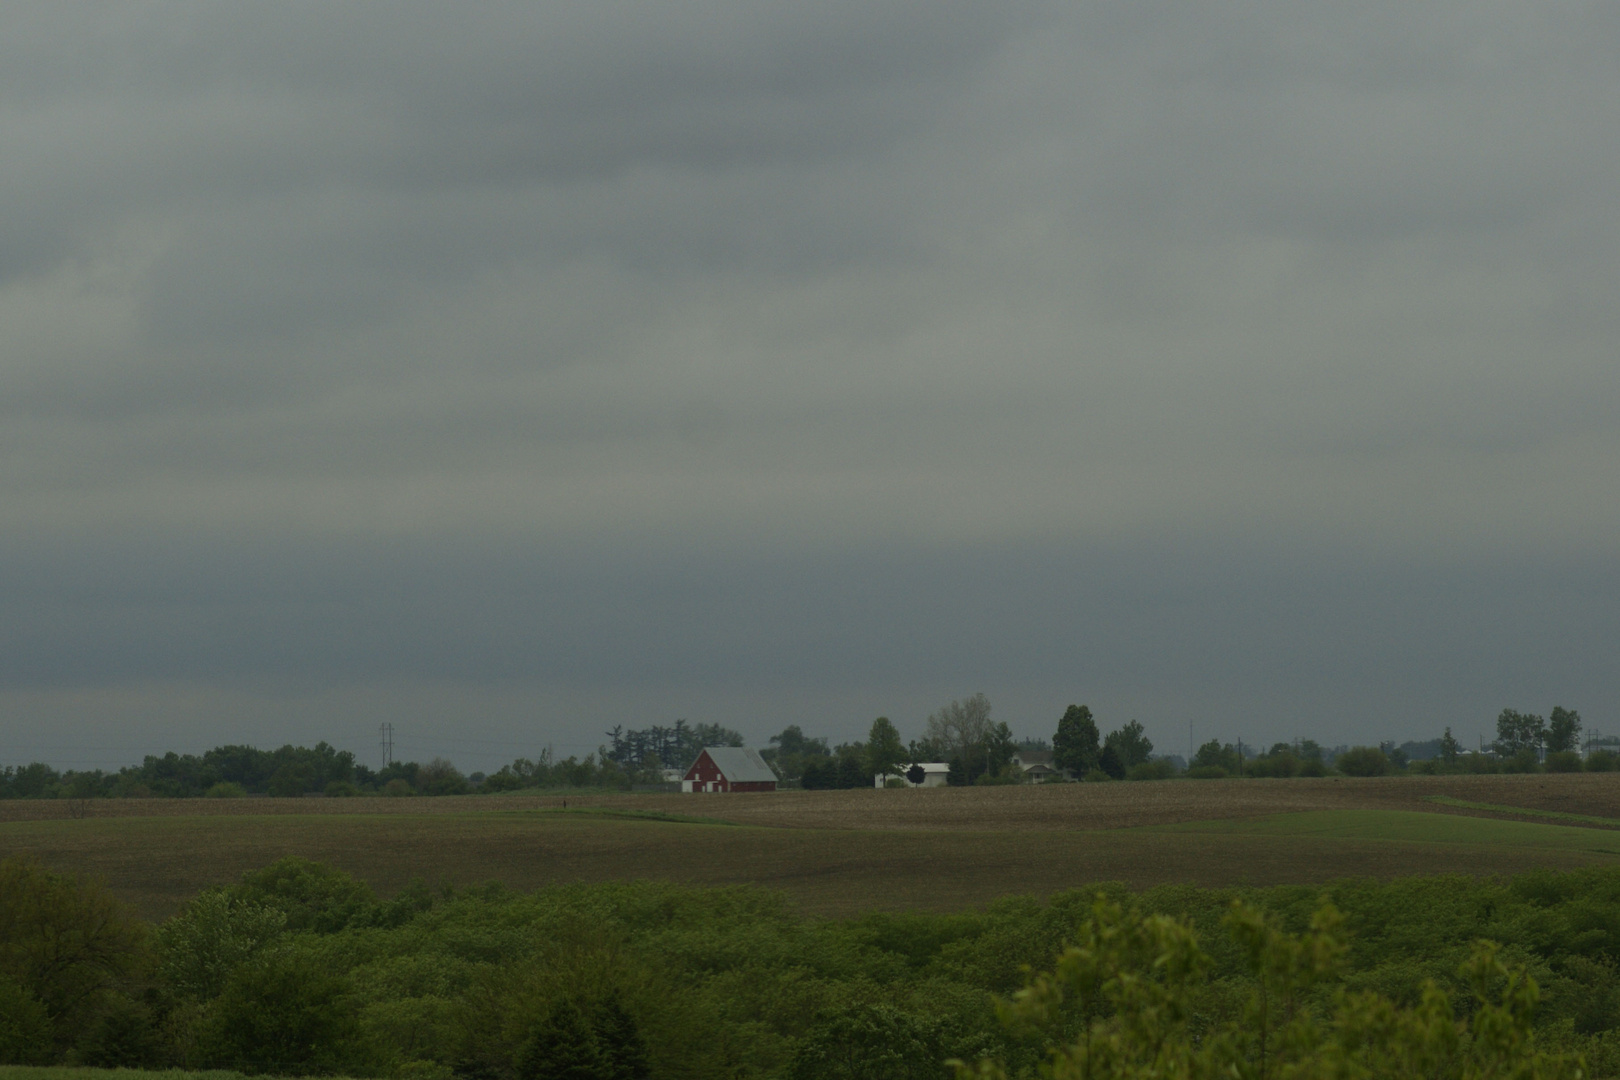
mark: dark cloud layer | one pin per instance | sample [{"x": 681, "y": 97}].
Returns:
[{"x": 1243, "y": 364}]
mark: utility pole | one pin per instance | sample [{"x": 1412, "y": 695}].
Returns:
[{"x": 385, "y": 736}]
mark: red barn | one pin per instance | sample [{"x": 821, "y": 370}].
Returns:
[{"x": 729, "y": 768}]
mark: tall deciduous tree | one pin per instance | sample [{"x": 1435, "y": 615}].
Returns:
[
  {"x": 1516, "y": 731},
  {"x": 1131, "y": 744},
  {"x": 961, "y": 728},
  {"x": 1074, "y": 747},
  {"x": 885, "y": 753},
  {"x": 1563, "y": 730}
]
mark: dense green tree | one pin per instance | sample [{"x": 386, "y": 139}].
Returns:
[
  {"x": 1363, "y": 761},
  {"x": 1516, "y": 732},
  {"x": 291, "y": 1015},
  {"x": 312, "y": 895},
  {"x": 1216, "y": 754},
  {"x": 1130, "y": 744},
  {"x": 1563, "y": 730},
  {"x": 1450, "y": 748},
  {"x": 885, "y": 753},
  {"x": 67, "y": 944},
  {"x": 25, "y": 1026},
  {"x": 561, "y": 1047},
  {"x": 1075, "y": 746},
  {"x": 1000, "y": 746},
  {"x": 792, "y": 752},
  {"x": 619, "y": 1042},
  {"x": 1110, "y": 763},
  {"x": 852, "y": 771},
  {"x": 870, "y": 1042}
]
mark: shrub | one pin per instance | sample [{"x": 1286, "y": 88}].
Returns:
[
  {"x": 1151, "y": 770},
  {"x": 1312, "y": 767},
  {"x": 895, "y": 782},
  {"x": 1363, "y": 761},
  {"x": 1207, "y": 772},
  {"x": 1096, "y": 776},
  {"x": 398, "y": 788},
  {"x": 25, "y": 1029},
  {"x": 225, "y": 789},
  {"x": 291, "y": 1015},
  {"x": 1522, "y": 762},
  {"x": 1564, "y": 761},
  {"x": 1123, "y": 1001},
  {"x": 1602, "y": 761}
]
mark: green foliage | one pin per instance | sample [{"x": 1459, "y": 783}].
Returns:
[
  {"x": 1363, "y": 761},
  {"x": 310, "y": 895},
  {"x": 1563, "y": 761},
  {"x": 1602, "y": 761},
  {"x": 25, "y": 1026},
  {"x": 212, "y": 937},
  {"x": 298, "y": 969},
  {"x": 1124, "y": 1002},
  {"x": 1518, "y": 732},
  {"x": 790, "y": 752},
  {"x": 64, "y": 944},
  {"x": 1075, "y": 746},
  {"x": 870, "y": 1041},
  {"x": 885, "y": 753},
  {"x": 1151, "y": 770},
  {"x": 1563, "y": 730},
  {"x": 289, "y": 1015},
  {"x": 1130, "y": 744},
  {"x": 561, "y": 1047},
  {"x": 1215, "y": 754}
]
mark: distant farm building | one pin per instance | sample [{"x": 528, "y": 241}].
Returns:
[
  {"x": 933, "y": 774},
  {"x": 1038, "y": 765},
  {"x": 729, "y": 768}
]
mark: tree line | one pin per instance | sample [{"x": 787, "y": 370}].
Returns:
[
  {"x": 298, "y": 969},
  {"x": 977, "y": 749}
]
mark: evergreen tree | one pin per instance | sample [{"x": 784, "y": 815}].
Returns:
[
  {"x": 1074, "y": 747},
  {"x": 561, "y": 1047},
  {"x": 619, "y": 1043},
  {"x": 1449, "y": 748}
]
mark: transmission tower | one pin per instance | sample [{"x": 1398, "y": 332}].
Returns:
[{"x": 385, "y": 736}]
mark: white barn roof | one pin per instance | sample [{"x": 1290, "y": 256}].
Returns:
[{"x": 739, "y": 764}]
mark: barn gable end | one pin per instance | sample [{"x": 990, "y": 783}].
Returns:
[{"x": 728, "y": 768}]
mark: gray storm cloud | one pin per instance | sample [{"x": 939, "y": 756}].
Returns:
[{"x": 1245, "y": 364}]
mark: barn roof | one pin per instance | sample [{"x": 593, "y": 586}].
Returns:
[{"x": 739, "y": 764}]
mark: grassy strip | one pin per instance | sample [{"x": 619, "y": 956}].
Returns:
[
  {"x": 1555, "y": 815},
  {"x": 79, "y": 1072}
]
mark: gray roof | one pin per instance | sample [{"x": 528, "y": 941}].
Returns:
[{"x": 739, "y": 765}]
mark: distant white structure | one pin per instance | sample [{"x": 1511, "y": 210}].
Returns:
[
  {"x": 934, "y": 774},
  {"x": 1038, "y": 765}
]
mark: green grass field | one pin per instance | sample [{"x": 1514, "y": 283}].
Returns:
[{"x": 158, "y": 862}]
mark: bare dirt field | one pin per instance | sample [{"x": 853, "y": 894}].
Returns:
[{"x": 840, "y": 852}]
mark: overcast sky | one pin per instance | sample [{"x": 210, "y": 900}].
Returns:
[{"x": 508, "y": 371}]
